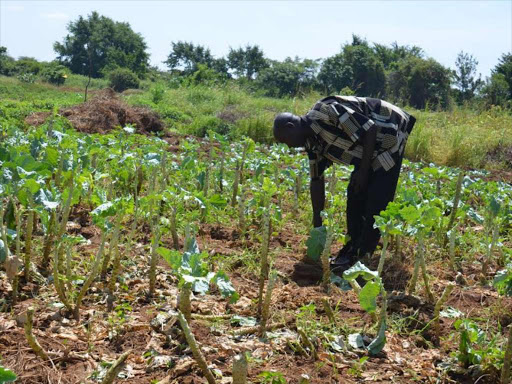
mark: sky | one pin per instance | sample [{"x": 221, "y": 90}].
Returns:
[{"x": 308, "y": 29}]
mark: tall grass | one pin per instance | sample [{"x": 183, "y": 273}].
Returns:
[{"x": 463, "y": 136}]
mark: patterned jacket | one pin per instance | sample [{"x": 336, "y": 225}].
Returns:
[{"x": 339, "y": 124}]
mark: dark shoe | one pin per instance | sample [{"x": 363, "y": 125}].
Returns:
[{"x": 343, "y": 261}]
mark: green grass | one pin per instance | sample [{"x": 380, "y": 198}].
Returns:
[{"x": 460, "y": 137}]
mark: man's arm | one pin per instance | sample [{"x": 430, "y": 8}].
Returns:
[
  {"x": 369, "y": 140},
  {"x": 317, "y": 189}
]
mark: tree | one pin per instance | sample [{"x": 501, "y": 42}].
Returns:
[
  {"x": 97, "y": 45},
  {"x": 420, "y": 82},
  {"x": 429, "y": 84},
  {"x": 392, "y": 55},
  {"x": 6, "y": 62},
  {"x": 504, "y": 68},
  {"x": 465, "y": 76},
  {"x": 288, "y": 78},
  {"x": 188, "y": 56},
  {"x": 247, "y": 62},
  {"x": 357, "y": 67},
  {"x": 496, "y": 90}
]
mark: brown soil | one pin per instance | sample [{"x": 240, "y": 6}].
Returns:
[{"x": 103, "y": 113}]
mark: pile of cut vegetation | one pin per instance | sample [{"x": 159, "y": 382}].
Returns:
[{"x": 104, "y": 112}]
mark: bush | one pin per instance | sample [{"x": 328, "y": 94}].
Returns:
[
  {"x": 122, "y": 79},
  {"x": 27, "y": 78},
  {"x": 203, "y": 124},
  {"x": 54, "y": 74}
]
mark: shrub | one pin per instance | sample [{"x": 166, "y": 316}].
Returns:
[
  {"x": 27, "y": 78},
  {"x": 122, "y": 79},
  {"x": 203, "y": 124},
  {"x": 54, "y": 74}
]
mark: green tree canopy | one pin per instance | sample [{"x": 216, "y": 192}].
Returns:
[
  {"x": 98, "y": 45},
  {"x": 186, "y": 57},
  {"x": 357, "y": 67},
  {"x": 465, "y": 76},
  {"x": 247, "y": 62},
  {"x": 504, "y": 68},
  {"x": 289, "y": 77},
  {"x": 6, "y": 62}
]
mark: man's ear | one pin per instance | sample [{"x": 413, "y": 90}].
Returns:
[{"x": 289, "y": 126}]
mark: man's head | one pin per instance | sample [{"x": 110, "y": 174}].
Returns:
[{"x": 289, "y": 129}]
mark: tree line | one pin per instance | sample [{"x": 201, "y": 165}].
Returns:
[{"x": 97, "y": 46}]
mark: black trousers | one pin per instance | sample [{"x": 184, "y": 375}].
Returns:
[{"x": 361, "y": 207}]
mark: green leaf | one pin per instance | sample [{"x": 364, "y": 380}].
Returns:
[
  {"x": 359, "y": 269},
  {"x": 6, "y": 375},
  {"x": 242, "y": 321},
  {"x": 410, "y": 214},
  {"x": 494, "y": 206},
  {"x": 368, "y": 296},
  {"x": 316, "y": 242},
  {"x": 3, "y": 252},
  {"x": 217, "y": 201},
  {"x": 225, "y": 286},
  {"x": 43, "y": 198},
  {"x": 171, "y": 256},
  {"x": 379, "y": 342},
  {"x": 104, "y": 210},
  {"x": 355, "y": 340},
  {"x": 451, "y": 313},
  {"x": 32, "y": 185},
  {"x": 475, "y": 216}
]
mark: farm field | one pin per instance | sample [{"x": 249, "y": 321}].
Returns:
[{"x": 116, "y": 229}]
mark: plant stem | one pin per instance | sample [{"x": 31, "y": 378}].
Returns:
[
  {"x": 57, "y": 281},
  {"x": 28, "y": 243},
  {"x": 235, "y": 184},
  {"x": 196, "y": 352},
  {"x": 265, "y": 312},
  {"x": 328, "y": 311},
  {"x": 308, "y": 343},
  {"x": 451, "y": 237},
  {"x": 114, "y": 369},
  {"x": 50, "y": 236},
  {"x": 11, "y": 262},
  {"x": 424, "y": 274},
  {"x": 264, "y": 258},
  {"x": 241, "y": 213},
  {"x": 383, "y": 254},
  {"x": 184, "y": 301},
  {"x": 257, "y": 328},
  {"x": 32, "y": 341},
  {"x": 174, "y": 231},
  {"x": 154, "y": 259},
  {"x": 92, "y": 275},
  {"x": 417, "y": 262},
  {"x": 221, "y": 172},
  {"x": 240, "y": 369},
  {"x": 505, "y": 371},
  {"x": 437, "y": 309},
  {"x": 326, "y": 276},
  {"x": 456, "y": 200},
  {"x": 112, "y": 248}
]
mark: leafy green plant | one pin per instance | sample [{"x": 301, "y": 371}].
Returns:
[
  {"x": 6, "y": 375},
  {"x": 193, "y": 274},
  {"x": 368, "y": 300},
  {"x": 272, "y": 377},
  {"x": 475, "y": 348}
]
